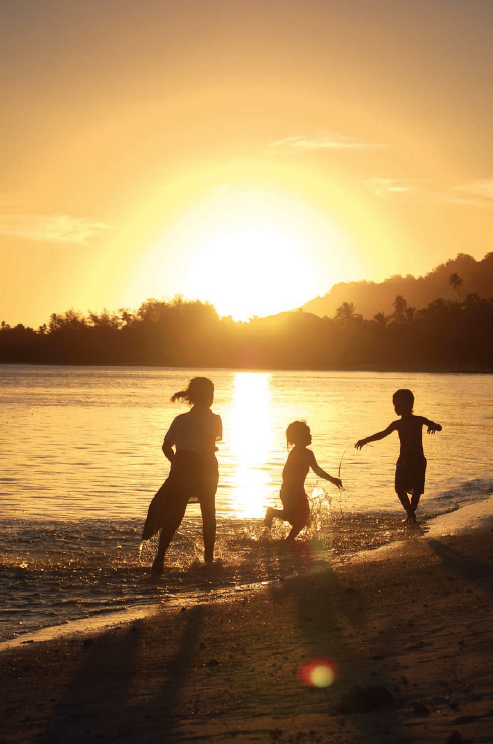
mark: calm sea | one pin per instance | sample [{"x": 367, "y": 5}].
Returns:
[{"x": 81, "y": 459}]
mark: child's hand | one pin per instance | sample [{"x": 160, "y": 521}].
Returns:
[
  {"x": 337, "y": 482},
  {"x": 435, "y": 427},
  {"x": 360, "y": 443}
]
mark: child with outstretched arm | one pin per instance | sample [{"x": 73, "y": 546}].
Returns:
[
  {"x": 296, "y": 509},
  {"x": 410, "y": 469}
]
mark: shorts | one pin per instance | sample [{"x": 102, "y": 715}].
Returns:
[
  {"x": 296, "y": 507},
  {"x": 410, "y": 475}
]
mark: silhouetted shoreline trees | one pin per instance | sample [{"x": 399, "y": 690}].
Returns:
[
  {"x": 181, "y": 333},
  {"x": 453, "y": 279}
]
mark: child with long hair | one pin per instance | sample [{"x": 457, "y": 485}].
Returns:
[
  {"x": 296, "y": 508},
  {"x": 190, "y": 446}
]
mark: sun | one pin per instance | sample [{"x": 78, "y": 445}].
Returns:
[
  {"x": 252, "y": 253},
  {"x": 248, "y": 251},
  {"x": 250, "y": 270}
]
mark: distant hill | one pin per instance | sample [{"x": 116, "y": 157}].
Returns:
[{"x": 370, "y": 298}]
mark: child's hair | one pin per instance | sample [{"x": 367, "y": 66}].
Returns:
[
  {"x": 200, "y": 390},
  {"x": 296, "y": 431},
  {"x": 405, "y": 397}
]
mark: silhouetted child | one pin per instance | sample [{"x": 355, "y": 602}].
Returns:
[
  {"x": 190, "y": 446},
  {"x": 411, "y": 466},
  {"x": 296, "y": 509}
]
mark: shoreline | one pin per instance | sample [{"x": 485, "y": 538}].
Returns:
[
  {"x": 368, "y": 542},
  {"x": 412, "y": 619},
  {"x": 424, "y": 367},
  {"x": 466, "y": 518}
]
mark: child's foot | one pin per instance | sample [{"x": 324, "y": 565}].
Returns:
[
  {"x": 269, "y": 516},
  {"x": 208, "y": 558},
  {"x": 410, "y": 520},
  {"x": 157, "y": 567}
]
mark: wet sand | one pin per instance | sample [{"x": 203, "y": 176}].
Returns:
[{"x": 407, "y": 628}]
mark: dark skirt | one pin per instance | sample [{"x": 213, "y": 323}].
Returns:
[
  {"x": 193, "y": 477},
  {"x": 410, "y": 475}
]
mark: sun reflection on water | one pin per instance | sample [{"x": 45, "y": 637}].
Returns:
[{"x": 250, "y": 432}]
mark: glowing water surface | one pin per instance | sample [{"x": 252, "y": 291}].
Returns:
[{"x": 80, "y": 453}]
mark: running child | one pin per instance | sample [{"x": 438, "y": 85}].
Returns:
[
  {"x": 190, "y": 446},
  {"x": 296, "y": 509},
  {"x": 411, "y": 465}
]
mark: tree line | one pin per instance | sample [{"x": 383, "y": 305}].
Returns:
[
  {"x": 179, "y": 333},
  {"x": 372, "y": 297}
]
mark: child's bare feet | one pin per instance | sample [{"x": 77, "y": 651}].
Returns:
[
  {"x": 410, "y": 520},
  {"x": 157, "y": 567}
]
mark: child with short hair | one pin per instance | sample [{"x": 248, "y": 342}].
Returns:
[
  {"x": 296, "y": 509},
  {"x": 411, "y": 465}
]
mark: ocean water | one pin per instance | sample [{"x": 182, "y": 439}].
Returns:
[{"x": 80, "y": 452}]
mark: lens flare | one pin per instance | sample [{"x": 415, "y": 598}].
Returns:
[{"x": 317, "y": 673}]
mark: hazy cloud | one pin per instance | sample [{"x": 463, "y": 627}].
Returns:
[
  {"x": 478, "y": 188},
  {"x": 51, "y": 228},
  {"x": 322, "y": 140},
  {"x": 418, "y": 192},
  {"x": 393, "y": 187}
]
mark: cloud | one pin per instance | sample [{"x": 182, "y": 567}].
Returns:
[
  {"x": 322, "y": 140},
  {"x": 482, "y": 188},
  {"x": 418, "y": 192},
  {"x": 392, "y": 187},
  {"x": 51, "y": 228}
]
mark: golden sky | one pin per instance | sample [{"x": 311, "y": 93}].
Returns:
[{"x": 247, "y": 152}]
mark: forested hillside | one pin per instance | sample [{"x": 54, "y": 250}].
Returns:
[{"x": 370, "y": 298}]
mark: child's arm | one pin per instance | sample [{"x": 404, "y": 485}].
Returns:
[
  {"x": 321, "y": 473},
  {"x": 375, "y": 437},
  {"x": 432, "y": 427},
  {"x": 168, "y": 450}
]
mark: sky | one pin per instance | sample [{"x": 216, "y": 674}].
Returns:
[{"x": 249, "y": 153}]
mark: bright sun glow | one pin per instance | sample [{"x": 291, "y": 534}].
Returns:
[
  {"x": 250, "y": 271},
  {"x": 247, "y": 252}
]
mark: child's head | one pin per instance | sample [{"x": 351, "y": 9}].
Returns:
[
  {"x": 298, "y": 432},
  {"x": 200, "y": 391},
  {"x": 403, "y": 401}
]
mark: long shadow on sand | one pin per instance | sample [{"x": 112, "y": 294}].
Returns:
[
  {"x": 110, "y": 693},
  {"x": 479, "y": 572}
]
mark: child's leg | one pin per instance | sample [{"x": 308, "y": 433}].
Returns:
[
  {"x": 295, "y": 531},
  {"x": 404, "y": 499},
  {"x": 414, "y": 504},
  {"x": 299, "y": 521},
  {"x": 172, "y": 521},
  {"x": 208, "y": 530},
  {"x": 271, "y": 513}
]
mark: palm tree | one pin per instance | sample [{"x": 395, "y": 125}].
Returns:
[
  {"x": 400, "y": 305},
  {"x": 381, "y": 319},
  {"x": 456, "y": 283},
  {"x": 345, "y": 313},
  {"x": 410, "y": 313}
]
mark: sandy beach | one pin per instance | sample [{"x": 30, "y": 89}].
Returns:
[{"x": 407, "y": 631}]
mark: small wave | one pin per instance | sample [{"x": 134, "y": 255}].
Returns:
[{"x": 467, "y": 492}]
